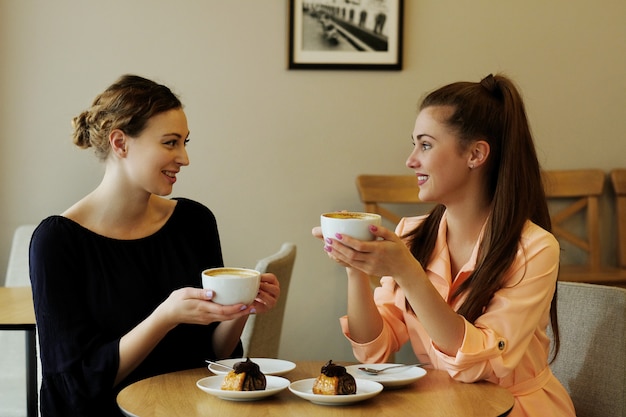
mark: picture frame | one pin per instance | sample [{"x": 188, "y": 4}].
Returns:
[{"x": 345, "y": 34}]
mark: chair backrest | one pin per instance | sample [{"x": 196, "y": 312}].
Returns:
[
  {"x": 18, "y": 274},
  {"x": 375, "y": 190},
  {"x": 580, "y": 190},
  {"x": 591, "y": 363},
  {"x": 261, "y": 335},
  {"x": 618, "y": 179}
]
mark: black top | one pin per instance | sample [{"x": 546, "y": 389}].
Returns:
[{"x": 90, "y": 290}]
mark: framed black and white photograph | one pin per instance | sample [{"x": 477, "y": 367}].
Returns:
[{"x": 345, "y": 34}]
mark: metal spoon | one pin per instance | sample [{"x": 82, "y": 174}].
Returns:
[
  {"x": 219, "y": 364},
  {"x": 372, "y": 371}
]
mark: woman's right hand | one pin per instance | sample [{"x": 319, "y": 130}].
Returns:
[{"x": 194, "y": 306}]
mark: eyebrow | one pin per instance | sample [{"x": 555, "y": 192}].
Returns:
[
  {"x": 419, "y": 137},
  {"x": 178, "y": 135}
]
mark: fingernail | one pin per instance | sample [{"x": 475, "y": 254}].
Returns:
[
  {"x": 253, "y": 311},
  {"x": 373, "y": 228},
  {"x": 329, "y": 241},
  {"x": 328, "y": 248},
  {"x": 243, "y": 308},
  {"x": 338, "y": 236},
  {"x": 209, "y": 294}
]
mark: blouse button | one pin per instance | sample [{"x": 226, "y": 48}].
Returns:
[{"x": 501, "y": 345}]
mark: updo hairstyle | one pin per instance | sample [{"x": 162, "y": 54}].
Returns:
[{"x": 127, "y": 105}]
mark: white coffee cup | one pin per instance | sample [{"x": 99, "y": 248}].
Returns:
[
  {"x": 232, "y": 285},
  {"x": 351, "y": 223}
]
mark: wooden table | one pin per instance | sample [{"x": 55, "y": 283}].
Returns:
[
  {"x": 434, "y": 395},
  {"x": 17, "y": 313}
]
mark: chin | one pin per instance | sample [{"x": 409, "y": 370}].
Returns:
[
  {"x": 424, "y": 197},
  {"x": 162, "y": 192}
]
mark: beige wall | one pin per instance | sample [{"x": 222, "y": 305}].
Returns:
[{"x": 272, "y": 148}]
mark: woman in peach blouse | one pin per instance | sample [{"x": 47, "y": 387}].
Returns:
[{"x": 472, "y": 284}]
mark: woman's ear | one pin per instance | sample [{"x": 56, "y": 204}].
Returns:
[
  {"x": 117, "y": 139},
  {"x": 479, "y": 154}
]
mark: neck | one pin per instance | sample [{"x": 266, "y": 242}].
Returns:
[
  {"x": 119, "y": 210},
  {"x": 466, "y": 222}
]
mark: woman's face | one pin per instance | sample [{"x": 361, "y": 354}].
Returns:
[
  {"x": 439, "y": 163},
  {"x": 157, "y": 154}
]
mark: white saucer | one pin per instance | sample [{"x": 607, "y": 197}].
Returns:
[
  {"x": 390, "y": 378},
  {"x": 364, "y": 390},
  {"x": 212, "y": 384},
  {"x": 268, "y": 366}
]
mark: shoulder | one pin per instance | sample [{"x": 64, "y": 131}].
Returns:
[
  {"x": 536, "y": 241},
  {"x": 192, "y": 212},
  {"x": 533, "y": 235},
  {"x": 188, "y": 206},
  {"x": 56, "y": 237},
  {"x": 54, "y": 228},
  {"x": 408, "y": 224}
]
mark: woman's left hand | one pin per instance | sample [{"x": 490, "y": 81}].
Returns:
[
  {"x": 269, "y": 291},
  {"x": 387, "y": 255}
]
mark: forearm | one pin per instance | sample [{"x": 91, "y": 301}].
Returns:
[
  {"x": 137, "y": 344},
  {"x": 364, "y": 320},
  {"x": 445, "y": 327},
  {"x": 227, "y": 336}
]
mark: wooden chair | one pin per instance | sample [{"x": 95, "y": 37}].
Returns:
[
  {"x": 618, "y": 180},
  {"x": 375, "y": 190},
  {"x": 579, "y": 191},
  {"x": 261, "y": 334}
]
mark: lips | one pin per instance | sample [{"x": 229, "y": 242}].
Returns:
[
  {"x": 171, "y": 175},
  {"x": 421, "y": 179}
]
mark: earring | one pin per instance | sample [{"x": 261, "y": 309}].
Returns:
[{"x": 471, "y": 166}]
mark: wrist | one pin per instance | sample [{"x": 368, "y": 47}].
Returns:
[{"x": 162, "y": 319}]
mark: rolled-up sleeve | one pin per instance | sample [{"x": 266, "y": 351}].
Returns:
[{"x": 513, "y": 324}]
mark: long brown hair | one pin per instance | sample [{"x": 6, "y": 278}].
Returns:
[{"x": 492, "y": 110}]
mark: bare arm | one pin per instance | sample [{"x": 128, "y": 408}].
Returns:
[
  {"x": 228, "y": 333},
  {"x": 364, "y": 320},
  {"x": 187, "y": 305},
  {"x": 390, "y": 257}
]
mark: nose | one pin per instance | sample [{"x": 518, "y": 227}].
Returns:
[
  {"x": 182, "y": 158},
  {"x": 412, "y": 161}
]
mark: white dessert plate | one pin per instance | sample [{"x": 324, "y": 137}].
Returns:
[
  {"x": 212, "y": 385},
  {"x": 268, "y": 366},
  {"x": 364, "y": 390},
  {"x": 391, "y": 378}
]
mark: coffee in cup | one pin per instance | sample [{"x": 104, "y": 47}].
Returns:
[
  {"x": 232, "y": 285},
  {"x": 351, "y": 223}
]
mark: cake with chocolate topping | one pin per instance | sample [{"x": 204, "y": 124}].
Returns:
[
  {"x": 245, "y": 376},
  {"x": 334, "y": 380}
]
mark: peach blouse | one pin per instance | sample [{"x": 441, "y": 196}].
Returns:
[{"x": 507, "y": 345}]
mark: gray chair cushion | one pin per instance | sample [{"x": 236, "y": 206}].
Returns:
[{"x": 591, "y": 363}]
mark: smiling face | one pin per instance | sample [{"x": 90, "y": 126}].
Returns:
[
  {"x": 154, "y": 157},
  {"x": 438, "y": 160}
]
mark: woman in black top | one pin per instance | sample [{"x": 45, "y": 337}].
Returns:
[{"x": 116, "y": 278}]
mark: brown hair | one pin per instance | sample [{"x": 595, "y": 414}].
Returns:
[
  {"x": 492, "y": 110},
  {"x": 127, "y": 105}
]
